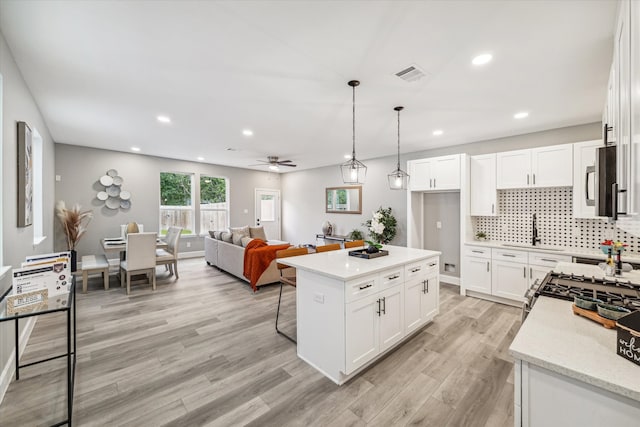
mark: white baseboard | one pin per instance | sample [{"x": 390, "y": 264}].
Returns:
[
  {"x": 9, "y": 368},
  {"x": 453, "y": 280},
  {"x": 192, "y": 254}
]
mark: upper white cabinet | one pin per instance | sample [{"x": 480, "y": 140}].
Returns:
[
  {"x": 435, "y": 174},
  {"x": 536, "y": 167},
  {"x": 584, "y": 178},
  {"x": 483, "y": 194}
]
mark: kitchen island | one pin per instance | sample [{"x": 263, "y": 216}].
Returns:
[
  {"x": 350, "y": 311},
  {"x": 567, "y": 371}
]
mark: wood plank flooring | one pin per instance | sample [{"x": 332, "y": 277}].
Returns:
[{"x": 202, "y": 350}]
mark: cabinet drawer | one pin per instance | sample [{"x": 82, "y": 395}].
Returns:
[
  {"x": 391, "y": 277},
  {"x": 362, "y": 287},
  {"x": 547, "y": 260},
  {"x": 509, "y": 255},
  {"x": 433, "y": 267},
  {"x": 477, "y": 251},
  {"x": 417, "y": 269}
]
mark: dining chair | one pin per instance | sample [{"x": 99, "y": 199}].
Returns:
[
  {"x": 140, "y": 257},
  {"x": 287, "y": 277},
  {"x": 169, "y": 257},
  {"x": 354, "y": 244},
  {"x": 326, "y": 248}
]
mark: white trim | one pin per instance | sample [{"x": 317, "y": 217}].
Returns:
[
  {"x": 38, "y": 240},
  {"x": 10, "y": 368},
  {"x": 452, "y": 280},
  {"x": 191, "y": 254}
]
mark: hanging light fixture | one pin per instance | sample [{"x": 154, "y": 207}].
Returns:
[
  {"x": 398, "y": 179},
  {"x": 353, "y": 171}
]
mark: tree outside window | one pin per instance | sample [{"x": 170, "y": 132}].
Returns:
[
  {"x": 176, "y": 203},
  {"x": 214, "y": 204}
]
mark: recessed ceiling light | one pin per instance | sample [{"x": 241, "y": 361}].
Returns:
[
  {"x": 200, "y": 158},
  {"x": 482, "y": 59},
  {"x": 438, "y": 132},
  {"x": 135, "y": 148},
  {"x": 163, "y": 119},
  {"x": 274, "y": 168},
  {"x": 347, "y": 156},
  {"x": 247, "y": 132},
  {"x": 521, "y": 115}
]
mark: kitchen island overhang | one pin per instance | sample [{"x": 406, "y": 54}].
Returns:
[{"x": 351, "y": 311}]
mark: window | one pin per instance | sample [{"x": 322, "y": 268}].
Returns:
[
  {"x": 176, "y": 202},
  {"x": 214, "y": 203}
]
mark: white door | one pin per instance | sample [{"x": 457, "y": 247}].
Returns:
[
  {"x": 477, "y": 274},
  {"x": 537, "y": 272},
  {"x": 513, "y": 169},
  {"x": 430, "y": 297},
  {"x": 391, "y": 316},
  {"x": 509, "y": 279},
  {"x": 446, "y": 172},
  {"x": 413, "y": 304},
  {"x": 362, "y": 332},
  {"x": 268, "y": 212},
  {"x": 420, "y": 175},
  {"x": 483, "y": 185},
  {"x": 551, "y": 166}
]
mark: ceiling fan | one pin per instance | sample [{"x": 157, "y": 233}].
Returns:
[{"x": 274, "y": 163}]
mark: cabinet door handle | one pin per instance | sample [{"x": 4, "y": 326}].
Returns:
[
  {"x": 534, "y": 179},
  {"x": 415, "y": 270},
  {"x": 530, "y": 273},
  {"x": 430, "y": 182},
  {"x": 509, "y": 255},
  {"x": 524, "y": 272},
  {"x": 423, "y": 285},
  {"x": 527, "y": 179},
  {"x": 366, "y": 286},
  {"x": 548, "y": 260},
  {"x": 427, "y": 286},
  {"x": 487, "y": 266},
  {"x": 384, "y": 305},
  {"x": 434, "y": 183},
  {"x": 493, "y": 207},
  {"x": 378, "y": 311},
  {"x": 393, "y": 277},
  {"x": 433, "y": 265},
  {"x": 477, "y": 252}
]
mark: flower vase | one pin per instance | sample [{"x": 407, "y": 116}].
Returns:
[{"x": 74, "y": 260}]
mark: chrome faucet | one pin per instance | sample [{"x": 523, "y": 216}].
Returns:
[{"x": 534, "y": 237}]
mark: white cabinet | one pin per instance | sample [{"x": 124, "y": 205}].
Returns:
[
  {"x": 362, "y": 332},
  {"x": 391, "y": 317},
  {"x": 634, "y": 147},
  {"x": 435, "y": 174},
  {"x": 476, "y": 269},
  {"x": 509, "y": 274},
  {"x": 536, "y": 167},
  {"x": 541, "y": 263},
  {"x": 584, "y": 178},
  {"x": 482, "y": 193},
  {"x": 421, "y": 293}
]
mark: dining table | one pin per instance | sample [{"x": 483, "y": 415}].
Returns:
[{"x": 115, "y": 247}]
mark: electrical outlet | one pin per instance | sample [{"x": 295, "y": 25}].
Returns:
[
  {"x": 188, "y": 244},
  {"x": 318, "y": 297},
  {"x": 58, "y": 178},
  {"x": 438, "y": 224}
]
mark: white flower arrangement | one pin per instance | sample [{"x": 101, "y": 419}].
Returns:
[{"x": 382, "y": 226}]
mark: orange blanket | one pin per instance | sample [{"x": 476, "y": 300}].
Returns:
[{"x": 257, "y": 257}]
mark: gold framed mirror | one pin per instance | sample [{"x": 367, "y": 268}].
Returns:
[{"x": 347, "y": 200}]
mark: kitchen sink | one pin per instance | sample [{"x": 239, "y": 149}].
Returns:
[{"x": 527, "y": 246}]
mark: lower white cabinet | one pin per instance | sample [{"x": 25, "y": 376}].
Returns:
[
  {"x": 420, "y": 301},
  {"x": 362, "y": 332},
  {"x": 476, "y": 268},
  {"x": 391, "y": 316},
  {"x": 509, "y": 279}
]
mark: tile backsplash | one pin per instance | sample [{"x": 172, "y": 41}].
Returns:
[{"x": 556, "y": 225}]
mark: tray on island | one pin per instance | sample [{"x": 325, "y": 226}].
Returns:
[{"x": 362, "y": 253}]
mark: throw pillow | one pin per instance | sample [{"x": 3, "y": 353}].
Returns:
[
  {"x": 258, "y": 233},
  {"x": 226, "y": 236},
  {"x": 245, "y": 241},
  {"x": 212, "y": 234},
  {"x": 238, "y": 233}
]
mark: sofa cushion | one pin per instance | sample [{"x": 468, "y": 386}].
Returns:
[
  {"x": 212, "y": 234},
  {"x": 258, "y": 233},
  {"x": 226, "y": 236},
  {"x": 238, "y": 233},
  {"x": 246, "y": 240}
]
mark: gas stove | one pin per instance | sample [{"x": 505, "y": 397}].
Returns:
[{"x": 565, "y": 286}]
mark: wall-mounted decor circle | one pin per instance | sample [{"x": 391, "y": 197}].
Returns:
[
  {"x": 106, "y": 180},
  {"x": 117, "y": 180},
  {"x": 112, "y": 172},
  {"x": 102, "y": 195},
  {"x": 125, "y": 195},
  {"x": 125, "y": 204},
  {"x": 113, "y": 202},
  {"x": 113, "y": 190}
]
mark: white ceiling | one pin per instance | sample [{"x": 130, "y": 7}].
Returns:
[{"x": 101, "y": 71}]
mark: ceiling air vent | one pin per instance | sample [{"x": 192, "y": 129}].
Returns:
[{"x": 411, "y": 74}]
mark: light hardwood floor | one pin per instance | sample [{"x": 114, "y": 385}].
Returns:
[{"x": 203, "y": 350}]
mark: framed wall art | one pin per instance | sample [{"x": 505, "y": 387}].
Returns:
[{"x": 25, "y": 175}]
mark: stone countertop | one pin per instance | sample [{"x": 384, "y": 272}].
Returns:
[
  {"x": 561, "y": 250},
  {"x": 553, "y": 338},
  {"x": 339, "y": 265}
]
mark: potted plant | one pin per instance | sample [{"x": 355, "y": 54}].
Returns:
[
  {"x": 74, "y": 224},
  {"x": 382, "y": 227},
  {"x": 481, "y": 235},
  {"x": 356, "y": 234}
]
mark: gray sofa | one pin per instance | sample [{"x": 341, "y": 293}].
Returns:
[{"x": 229, "y": 257}]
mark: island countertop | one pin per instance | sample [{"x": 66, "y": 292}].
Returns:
[
  {"x": 339, "y": 265},
  {"x": 553, "y": 338}
]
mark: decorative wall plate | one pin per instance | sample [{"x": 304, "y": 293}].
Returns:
[
  {"x": 113, "y": 203},
  {"x": 125, "y": 195},
  {"x": 125, "y": 204},
  {"x": 112, "y": 172},
  {"x": 102, "y": 195},
  {"x": 106, "y": 180},
  {"x": 117, "y": 180},
  {"x": 113, "y": 190}
]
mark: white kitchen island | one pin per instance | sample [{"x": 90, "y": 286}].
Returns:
[{"x": 351, "y": 311}]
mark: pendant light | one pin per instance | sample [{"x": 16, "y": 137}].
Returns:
[
  {"x": 398, "y": 179},
  {"x": 353, "y": 171}
]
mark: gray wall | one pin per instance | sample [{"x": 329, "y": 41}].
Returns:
[
  {"x": 443, "y": 208},
  {"x": 303, "y": 209},
  {"x": 80, "y": 169},
  {"x": 18, "y": 105}
]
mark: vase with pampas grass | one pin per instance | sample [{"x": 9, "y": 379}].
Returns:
[{"x": 74, "y": 223}]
